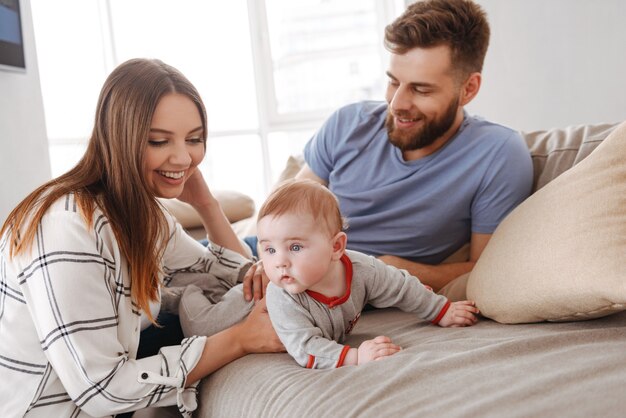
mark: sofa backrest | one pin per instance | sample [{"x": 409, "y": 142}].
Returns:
[{"x": 556, "y": 150}]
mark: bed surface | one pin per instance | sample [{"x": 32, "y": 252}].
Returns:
[{"x": 574, "y": 369}]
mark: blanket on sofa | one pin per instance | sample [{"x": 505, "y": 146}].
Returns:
[{"x": 489, "y": 370}]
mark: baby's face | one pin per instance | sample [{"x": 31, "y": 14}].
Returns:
[{"x": 296, "y": 252}]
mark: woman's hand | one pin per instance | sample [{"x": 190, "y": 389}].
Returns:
[
  {"x": 255, "y": 282},
  {"x": 219, "y": 231},
  {"x": 196, "y": 191},
  {"x": 254, "y": 334},
  {"x": 257, "y": 334}
]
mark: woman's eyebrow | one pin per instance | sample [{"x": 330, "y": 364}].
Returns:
[
  {"x": 165, "y": 131},
  {"x": 161, "y": 131}
]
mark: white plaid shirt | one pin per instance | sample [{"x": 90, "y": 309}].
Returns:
[{"x": 69, "y": 331}]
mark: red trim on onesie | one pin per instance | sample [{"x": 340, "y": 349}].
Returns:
[
  {"x": 342, "y": 356},
  {"x": 441, "y": 313},
  {"x": 336, "y": 300},
  {"x": 311, "y": 362}
]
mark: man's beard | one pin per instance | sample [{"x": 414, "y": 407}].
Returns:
[{"x": 429, "y": 133}]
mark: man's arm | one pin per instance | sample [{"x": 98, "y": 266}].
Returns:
[{"x": 437, "y": 276}]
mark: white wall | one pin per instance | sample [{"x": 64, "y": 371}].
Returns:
[
  {"x": 24, "y": 161},
  {"x": 553, "y": 63}
]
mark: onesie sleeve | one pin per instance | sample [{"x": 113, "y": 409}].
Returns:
[
  {"x": 388, "y": 286},
  {"x": 319, "y": 152},
  {"x": 70, "y": 286},
  {"x": 296, "y": 329}
]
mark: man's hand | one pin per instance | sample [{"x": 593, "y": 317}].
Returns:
[{"x": 255, "y": 282}]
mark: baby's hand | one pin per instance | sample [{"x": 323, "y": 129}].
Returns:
[
  {"x": 376, "y": 349},
  {"x": 460, "y": 314}
]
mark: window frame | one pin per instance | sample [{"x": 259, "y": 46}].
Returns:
[{"x": 264, "y": 68}]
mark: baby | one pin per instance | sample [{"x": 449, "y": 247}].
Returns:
[{"x": 318, "y": 288}]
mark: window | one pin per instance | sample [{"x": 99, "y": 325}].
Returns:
[
  {"x": 269, "y": 71},
  {"x": 322, "y": 54},
  {"x": 71, "y": 71}
]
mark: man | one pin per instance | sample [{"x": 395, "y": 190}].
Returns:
[{"x": 416, "y": 176}]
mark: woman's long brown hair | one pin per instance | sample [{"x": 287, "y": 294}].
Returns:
[{"x": 110, "y": 174}]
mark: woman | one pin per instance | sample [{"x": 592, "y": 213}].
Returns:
[{"x": 83, "y": 259}]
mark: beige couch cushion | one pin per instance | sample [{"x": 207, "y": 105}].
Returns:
[
  {"x": 292, "y": 167},
  {"x": 556, "y": 150},
  {"x": 560, "y": 254},
  {"x": 236, "y": 206}
]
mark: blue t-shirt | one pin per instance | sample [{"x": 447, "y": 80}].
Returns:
[{"x": 422, "y": 210}]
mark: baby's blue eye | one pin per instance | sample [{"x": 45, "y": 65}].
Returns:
[
  {"x": 270, "y": 250},
  {"x": 296, "y": 247}
]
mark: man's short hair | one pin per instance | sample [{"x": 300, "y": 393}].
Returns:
[{"x": 460, "y": 24}]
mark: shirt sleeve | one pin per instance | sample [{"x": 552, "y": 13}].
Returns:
[
  {"x": 318, "y": 152},
  {"x": 297, "y": 331},
  {"x": 506, "y": 184},
  {"x": 88, "y": 327},
  {"x": 186, "y": 255}
]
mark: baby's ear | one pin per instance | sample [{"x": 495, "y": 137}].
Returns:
[{"x": 339, "y": 242}]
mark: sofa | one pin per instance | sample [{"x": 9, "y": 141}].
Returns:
[{"x": 540, "y": 354}]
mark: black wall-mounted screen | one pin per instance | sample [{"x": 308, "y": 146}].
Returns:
[{"x": 11, "y": 40}]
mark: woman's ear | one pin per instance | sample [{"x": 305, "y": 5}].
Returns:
[{"x": 339, "y": 242}]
